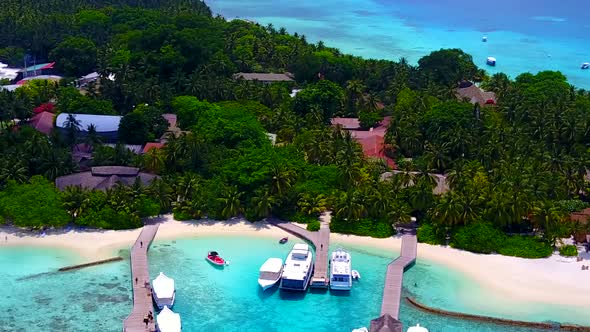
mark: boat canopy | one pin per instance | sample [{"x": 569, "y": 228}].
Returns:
[
  {"x": 272, "y": 265},
  {"x": 163, "y": 286},
  {"x": 417, "y": 328},
  {"x": 168, "y": 321},
  {"x": 213, "y": 253}
]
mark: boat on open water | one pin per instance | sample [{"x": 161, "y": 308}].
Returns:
[
  {"x": 270, "y": 273},
  {"x": 340, "y": 270},
  {"x": 164, "y": 291},
  {"x": 297, "y": 270},
  {"x": 213, "y": 258}
]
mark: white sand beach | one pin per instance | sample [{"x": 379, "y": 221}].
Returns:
[{"x": 554, "y": 280}]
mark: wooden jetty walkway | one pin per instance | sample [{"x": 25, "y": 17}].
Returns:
[
  {"x": 142, "y": 295},
  {"x": 392, "y": 292},
  {"x": 321, "y": 241}
]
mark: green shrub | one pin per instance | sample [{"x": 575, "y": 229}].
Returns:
[
  {"x": 181, "y": 215},
  {"x": 313, "y": 226},
  {"x": 302, "y": 218},
  {"x": 525, "y": 247},
  {"x": 478, "y": 237},
  {"x": 363, "y": 227},
  {"x": 568, "y": 251},
  {"x": 431, "y": 234},
  {"x": 572, "y": 205}
]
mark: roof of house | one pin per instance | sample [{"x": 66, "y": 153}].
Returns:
[
  {"x": 476, "y": 95},
  {"x": 135, "y": 148},
  {"x": 48, "y": 65},
  {"x": 104, "y": 177},
  {"x": 103, "y": 123},
  {"x": 373, "y": 147},
  {"x": 152, "y": 145},
  {"x": 582, "y": 216},
  {"x": 171, "y": 118},
  {"x": 39, "y": 77},
  {"x": 42, "y": 122},
  {"x": 346, "y": 123},
  {"x": 386, "y": 323},
  {"x": 264, "y": 77}
]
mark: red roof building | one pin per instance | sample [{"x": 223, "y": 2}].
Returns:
[
  {"x": 43, "y": 122},
  {"x": 152, "y": 145},
  {"x": 372, "y": 140}
]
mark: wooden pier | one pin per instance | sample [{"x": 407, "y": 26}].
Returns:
[
  {"x": 140, "y": 277},
  {"x": 392, "y": 292},
  {"x": 321, "y": 242}
]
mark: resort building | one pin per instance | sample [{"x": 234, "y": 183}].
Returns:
[
  {"x": 42, "y": 122},
  {"x": 372, "y": 140},
  {"x": 265, "y": 78},
  {"x": 104, "y": 177},
  {"x": 107, "y": 126},
  {"x": 474, "y": 94}
]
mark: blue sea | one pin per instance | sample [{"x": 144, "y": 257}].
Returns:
[
  {"x": 36, "y": 298},
  {"x": 524, "y": 35}
]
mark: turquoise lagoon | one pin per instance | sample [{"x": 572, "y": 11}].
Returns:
[
  {"x": 524, "y": 35},
  {"x": 210, "y": 299}
]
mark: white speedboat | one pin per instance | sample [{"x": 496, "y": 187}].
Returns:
[
  {"x": 417, "y": 328},
  {"x": 356, "y": 275},
  {"x": 270, "y": 273},
  {"x": 297, "y": 270},
  {"x": 340, "y": 270},
  {"x": 168, "y": 321},
  {"x": 484, "y": 39},
  {"x": 586, "y": 65},
  {"x": 164, "y": 291},
  {"x": 491, "y": 61}
]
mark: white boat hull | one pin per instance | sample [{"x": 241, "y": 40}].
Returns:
[
  {"x": 342, "y": 287},
  {"x": 266, "y": 284},
  {"x": 161, "y": 302}
]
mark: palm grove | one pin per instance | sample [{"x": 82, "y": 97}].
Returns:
[{"x": 514, "y": 169}]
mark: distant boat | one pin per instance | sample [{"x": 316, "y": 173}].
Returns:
[
  {"x": 284, "y": 240},
  {"x": 491, "y": 61},
  {"x": 340, "y": 270},
  {"x": 362, "y": 329},
  {"x": 213, "y": 258},
  {"x": 297, "y": 270},
  {"x": 484, "y": 39},
  {"x": 168, "y": 321},
  {"x": 585, "y": 65},
  {"x": 270, "y": 273},
  {"x": 417, "y": 328},
  {"x": 356, "y": 275},
  {"x": 164, "y": 291}
]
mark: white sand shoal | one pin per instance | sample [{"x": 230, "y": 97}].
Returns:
[{"x": 552, "y": 280}]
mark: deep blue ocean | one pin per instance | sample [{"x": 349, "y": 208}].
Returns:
[{"x": 524, "y": 35}]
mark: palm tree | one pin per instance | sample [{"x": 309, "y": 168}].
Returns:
[
  {"x": 162, "y": 193},
  {"x": 72, "y": 127},
  {"x": 154, "y": 160},
  {"x": 12, "y": 169},
  {"x": 263, "y": 202},
  {"x": 312, "y": 205},
  {"x": 231, "y": 203},
  {"x": 74, "y": 200},
  {"x": 282, "y": 178},
  {"x": 92, "y": 137}
]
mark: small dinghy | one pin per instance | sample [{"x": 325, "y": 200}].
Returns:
[
  {"x": 362, "y": 329},
  {"x": 484, "y": 39},
  {"x": 491, "y": 61},
  {"x": 213, "y": 258},
  {"x": 356, "y": 275},
  {"x": 284, "y": 240},
  {"x": 585, "y": 65}
]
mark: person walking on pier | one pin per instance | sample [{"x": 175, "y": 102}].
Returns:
[
  {"x": 146, "y": 320},
  {"x": 141, "y": 244}
]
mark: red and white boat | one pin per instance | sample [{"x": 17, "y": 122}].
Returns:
[{"x": 213, "y": 258}]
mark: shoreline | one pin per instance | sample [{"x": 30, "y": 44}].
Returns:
[{"x": 553, "y": 280}]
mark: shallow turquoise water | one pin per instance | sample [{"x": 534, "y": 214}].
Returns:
[
  {"x": 524, "y": 35},
  {"x": 210, "y": 299},
  {"x": 37, "y": 298}
]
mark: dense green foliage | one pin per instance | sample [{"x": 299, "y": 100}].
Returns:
[
  {"x": 568, "y": 251},
  {"x": 35, "y": 204},
  {"x": 313, "y": 226},
  {"x": 514, "y": 169}
]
